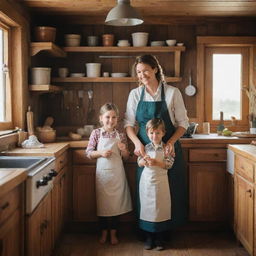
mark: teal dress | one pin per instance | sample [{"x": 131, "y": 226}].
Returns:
[{"x": 147, "y": 110}]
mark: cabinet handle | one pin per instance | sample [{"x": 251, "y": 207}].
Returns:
[
  {"x": 5, "y": 205},
  {"x": 250, "y": 192},
  {"x": 215, "y": 154},
  {"x": 42, "y": 228},
  {"x": 61, "y": 161}
]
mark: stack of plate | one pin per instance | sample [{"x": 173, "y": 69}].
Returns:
[{"x": 119, "y": 74}]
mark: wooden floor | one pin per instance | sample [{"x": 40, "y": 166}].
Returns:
[{"x": 181, "y": 244}]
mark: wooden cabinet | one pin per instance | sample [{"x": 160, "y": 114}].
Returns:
[
  {"x": 11, "y": 223},
  {"x": 84, "y": 197},
  {"x": 39, "y": 229},
  {"x": 244, "y": 205},
  {"x": 207, "y": 184},
  {"x": 60, "y": 195}
]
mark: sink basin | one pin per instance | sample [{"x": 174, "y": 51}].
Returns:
[{"x": 26, "y": 162}]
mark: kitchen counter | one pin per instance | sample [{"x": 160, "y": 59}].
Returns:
[
  {"x": 212, "y": 138},
  {"x": 50, "y": 149},
  {"x": 248, "y": 151},
  {"x": 10, "y": 178}
]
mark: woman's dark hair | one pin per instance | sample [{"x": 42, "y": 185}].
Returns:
[{"x": 153, "y": 63}]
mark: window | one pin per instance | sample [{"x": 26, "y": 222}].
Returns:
[{"x": 5, "y": 106}]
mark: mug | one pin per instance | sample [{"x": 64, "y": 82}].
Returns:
[
  {"x": 92, "y": 40},
  {"x": 63, "y": 72},
  {"x": 106, "y": 74}
]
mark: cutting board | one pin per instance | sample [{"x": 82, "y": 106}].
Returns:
[{"x": 244, "y": 135}]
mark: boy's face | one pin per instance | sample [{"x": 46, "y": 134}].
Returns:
[{"x": 155, "y": 135}]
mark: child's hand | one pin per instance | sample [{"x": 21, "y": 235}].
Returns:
[
  {"x": 106, "y": 153},
  {"x": 151, "y": 162},
  {"x": 122, "y": 146}
]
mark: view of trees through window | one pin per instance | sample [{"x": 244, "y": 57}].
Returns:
[{"x": 226, "y": 89}]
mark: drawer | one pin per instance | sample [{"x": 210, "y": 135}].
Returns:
[
  {"x": 244, "y": 167},
  {"x": 61, "y": 161},
  {"x": 9, "y": 203},
  {"x": 79, "y": 157},
  {"x": 207, "y": 155}
]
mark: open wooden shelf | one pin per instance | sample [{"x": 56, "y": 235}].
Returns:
[
  {"x": 44, "y": 88},
  {"x": 49, "y": 47},
  {"x": 105, "y": 79},
  {"x": 125, "y": 49}
]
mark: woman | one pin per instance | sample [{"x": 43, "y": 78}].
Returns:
[{"x": 155, "y": 99}]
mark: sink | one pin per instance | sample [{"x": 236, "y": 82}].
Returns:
[{"x": 26, "y": 162}]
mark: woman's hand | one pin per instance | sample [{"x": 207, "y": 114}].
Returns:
[
  {"x": 169, "y": 148},
  {"x": 139, "y": 150}
]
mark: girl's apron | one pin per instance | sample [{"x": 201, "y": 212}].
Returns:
[
  {"x": 154, "y": 192},
  {"x": 147, "y": 110},
  {"x": 112, "y": 191}
]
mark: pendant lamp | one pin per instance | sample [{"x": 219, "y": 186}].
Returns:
[{"x": 123, "y": 14}]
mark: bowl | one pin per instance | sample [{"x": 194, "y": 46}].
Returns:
[
  {"x": 180, "y": 44},
  {"x": 157, "y": 43},
  {"x": 171, "y": 42},
  {"x": 77, "y": 74},
  {"x": 119, "y": 74},
  {"x": 72, "y": 40},
  {"x": 47, "y": 136},
  {"x": 45, "y": 34}
]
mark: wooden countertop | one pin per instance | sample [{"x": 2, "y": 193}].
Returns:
[
  {"x": 248, "y": 151},
  {"x": 50, "y": 149},
  {"x": 10, "y": 178},
  {"x": 187, "y": 142}
]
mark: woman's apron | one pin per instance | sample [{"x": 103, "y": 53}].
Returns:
[
  {"x": 154, "y": 191},
  {"x": 112, "y": 191},
  {"x": 147, "y": 110}
]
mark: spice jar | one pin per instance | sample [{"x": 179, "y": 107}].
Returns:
[{"x": 108, "y": 39}]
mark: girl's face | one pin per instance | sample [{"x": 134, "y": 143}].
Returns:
[
  {"x": 155, "y": 135},
  {"x": 145, "y": 73},
  {"x": 109, "y": 120}
]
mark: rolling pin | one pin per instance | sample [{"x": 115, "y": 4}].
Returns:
[{"x": 30, "y": 122}]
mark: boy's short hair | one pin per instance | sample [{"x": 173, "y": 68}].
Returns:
[{"x": 155, "y": 123}]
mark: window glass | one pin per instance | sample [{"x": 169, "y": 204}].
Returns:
[{"x": 226, "y": 89}]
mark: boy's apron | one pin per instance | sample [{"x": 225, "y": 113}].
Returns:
[
  {"x": 147, "y": 110},
  {"x": 155, "y": 199},
  {"x": 112, "y": 191}
]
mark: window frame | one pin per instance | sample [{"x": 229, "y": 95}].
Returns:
[
  {"x": 209, "y": 51},
  {"x": 8, "y": 124},
  {"x": 204, "y": 42}
]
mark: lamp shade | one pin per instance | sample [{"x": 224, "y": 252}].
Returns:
[{"x": 123, "y": 14}]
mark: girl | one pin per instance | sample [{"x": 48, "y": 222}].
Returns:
[
  {"x": 154, "y": 192},
  {"x": 108, "y": 146}
]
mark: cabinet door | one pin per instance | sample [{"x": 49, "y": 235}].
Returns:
[
  {"x": 10, "y": 236},
  {"x": 207, "y": 192},
  {"x": 244, "y": 194},
  {"x": 39, "y": 232},
  {"x": 84, "y": 199}
]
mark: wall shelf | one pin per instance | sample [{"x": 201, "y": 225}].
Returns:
[
  {"x": 125, "y": 49},
  {"x": 44, "y": 88},
  {"x": 105, "y": 79},
  {"x": 48, "y": 47}
]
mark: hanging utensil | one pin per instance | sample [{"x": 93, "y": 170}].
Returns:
[
  {"x": 30, "y": 121},
  {"x": 91, "y": 111},
  {"x": 190, "y": 90}
]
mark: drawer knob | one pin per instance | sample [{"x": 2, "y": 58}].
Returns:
[
  {"x": 5, "y": 205},
  {"x": 250, "y": 192}
]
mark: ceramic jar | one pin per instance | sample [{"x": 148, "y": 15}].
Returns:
[
  {"x": 108, "y": 40},
  {"x": 40, "y": 75}
]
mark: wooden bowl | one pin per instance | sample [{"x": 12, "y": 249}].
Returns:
[
  {"x": 47, "y": 136},
  {"x": 45, "y": 34}
]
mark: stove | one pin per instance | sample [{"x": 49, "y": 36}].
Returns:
[{"x": 40, "y": 176}]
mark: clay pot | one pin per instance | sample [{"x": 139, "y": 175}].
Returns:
[
  {"x": 108, "y": 40},
  {"x": 45, "y": 34}
]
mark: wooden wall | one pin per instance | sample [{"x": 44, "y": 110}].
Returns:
[{"x": 70, "y": 111}]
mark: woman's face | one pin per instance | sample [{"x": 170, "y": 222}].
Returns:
[{"x": 145, "y": 73}]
